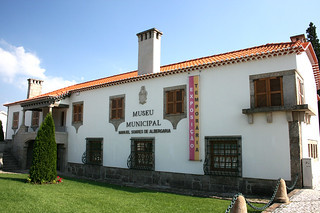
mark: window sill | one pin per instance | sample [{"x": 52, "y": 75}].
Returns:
[{"x": 301, "y": 113}]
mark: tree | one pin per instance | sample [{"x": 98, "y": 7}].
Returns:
[
  {"x": 312, "y": 37},
  {"x": 1, "y": 132},
  {"x": 44, "y": 158}
]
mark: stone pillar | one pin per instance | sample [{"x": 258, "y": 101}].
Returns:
[
  {"x": 295, "y": 151},
  {"x": 240, "y": 206}
]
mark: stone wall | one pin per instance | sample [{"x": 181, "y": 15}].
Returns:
[{"x": 173, "y": 181}]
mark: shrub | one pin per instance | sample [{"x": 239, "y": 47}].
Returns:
[
  {"x": 44, "y": 159},
  {"x": 1, "y": 132}
]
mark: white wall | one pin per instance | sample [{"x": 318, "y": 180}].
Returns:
[{"x": 224, "y": 92}]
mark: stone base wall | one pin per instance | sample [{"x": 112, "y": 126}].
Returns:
[{"x": 173, "y": 181}]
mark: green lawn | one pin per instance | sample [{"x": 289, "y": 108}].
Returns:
[{"x": 75, "y": 195}]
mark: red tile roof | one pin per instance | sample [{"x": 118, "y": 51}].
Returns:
[{"x": 258, "y": 52}]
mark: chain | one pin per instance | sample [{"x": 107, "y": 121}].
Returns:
[
  {"x": 250, "y": 204},
  {"x": 294, "y": 183},
  {"x": 271, "y": 200},
  {"x": 235, "y": 197}
]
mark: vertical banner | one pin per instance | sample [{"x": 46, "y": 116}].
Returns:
[{"x": 194, "y": 121}]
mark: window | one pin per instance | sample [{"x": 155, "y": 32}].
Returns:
[
  {"x": 117, "y": 108},
  {"x": 175, "y": 101},
  {"x": 15, "y": 121},
  {"x": 313, "y": 149},
  {"x": 77, "y": 113},
  {"x": 268, "y": 92},
  {"x": 142, "y": 154},
  {"x": 223, "y": 156},
  {"x": 174, "y": 104},
  {"x": 94, "y": 151},
  {"x": 35, "y": 119}
]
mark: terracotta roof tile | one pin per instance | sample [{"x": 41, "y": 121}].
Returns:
[{"x": 240, "y": 55}]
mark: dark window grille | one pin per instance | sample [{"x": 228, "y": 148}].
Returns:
[
  {"x": 142, "y": 155},
  {"x": 94, "y": 151},
  {"x": 223, "y": 156}
]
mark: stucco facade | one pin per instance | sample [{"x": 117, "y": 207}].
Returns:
[{"x": 271, "y": 141}]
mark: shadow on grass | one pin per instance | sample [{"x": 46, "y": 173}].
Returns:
[{"x": 21, "y": 180}]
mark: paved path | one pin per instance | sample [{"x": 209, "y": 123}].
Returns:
[{"x": 304, "y": 201}]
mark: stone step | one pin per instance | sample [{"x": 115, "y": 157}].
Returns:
[{"x": 9, "y": 162}]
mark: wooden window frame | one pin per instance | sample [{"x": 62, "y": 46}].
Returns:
[
  {"x": 77, "y": 115},
  {"x": 117, "y": 110},
  {"x": 35, "y": 117},
  {"x": 94, "y": 151},
  {"x": 15, "y": 120},
  {"x": 175, "y": 102},
  {"x": 268, "y": 91}
]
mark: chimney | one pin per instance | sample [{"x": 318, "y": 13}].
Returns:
[
  {"x": 34, "y": 88},
  {"x": 300, "y": 37},
  {"x": 149, "y": 51}
]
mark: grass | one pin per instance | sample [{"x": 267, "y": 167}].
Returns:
[{"x": 74, "y": 195}]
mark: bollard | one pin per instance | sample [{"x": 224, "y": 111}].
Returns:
[
  {"x": 282, "y": 196},
  {"x": 239, "y": 206}
]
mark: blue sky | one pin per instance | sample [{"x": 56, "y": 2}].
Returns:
[{"x": 65, "y": 42}]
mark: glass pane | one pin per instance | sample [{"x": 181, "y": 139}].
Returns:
[
  {"x": 179, "y": 95},
  {"x": 276, "y": 99},
  {"x": 275, "y": 85},
  {"x": 170, "y": 96},
  {"x": 170, "y": 108},
  {"x": 261, "y": 100},
  {"x": 114, "y": 104},
  {"x": 113, "y": 113},
  {"x": 179, "y": 107},
  {"x": 119, "y": 102},
  {"x": 119, "y": 113},
  {"x": 261, "y": 86}
]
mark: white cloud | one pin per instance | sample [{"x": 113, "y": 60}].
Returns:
[
  {"x": 17, "y": 65},
  {"x": 52, "y": 83}
]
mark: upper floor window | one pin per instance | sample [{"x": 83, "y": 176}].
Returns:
[
  {"x": 35, "y": 118},
  {"x": 117, "y": 108},
  {"x": 77, "y": 116},
  {"x": 268, "y": 92},
  {"x": 175, "y": 101},
  {"x": 15, "y": 120}
]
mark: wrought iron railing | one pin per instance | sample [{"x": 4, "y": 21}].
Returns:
[{"x": 141, "y": 161}]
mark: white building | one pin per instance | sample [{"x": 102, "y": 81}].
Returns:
[
  {"x": 3, "y": 119},
  {"x": 236, "y": 121}
]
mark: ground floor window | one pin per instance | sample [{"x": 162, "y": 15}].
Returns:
[
  {"x": 142, "y": 154},
  {"x": 223, "y": 156},
  {"x": 313, "y": 149},
  {"x": 94, "y": 151}
]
